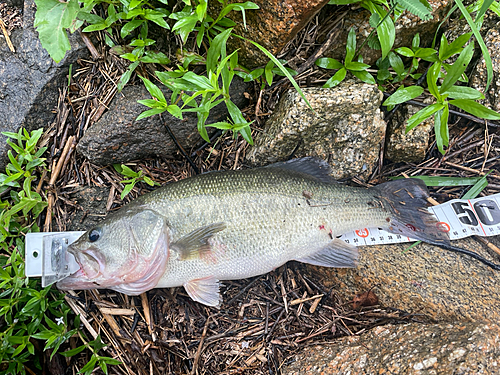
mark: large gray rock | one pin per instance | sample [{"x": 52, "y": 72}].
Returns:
[
  {"x": 118, "y": 138},
  {"x": 346, "y": 128},
  {"x": 411, "y": 147},
  {"x": 410, "y": 349},
  {"x": 424, "y": 280},
  {"x": 30, "y": 79}
]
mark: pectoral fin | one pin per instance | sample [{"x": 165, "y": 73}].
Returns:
[
  {"x": 336, "y": 254},
  {"x": 195, "y": 244},
  {"x": 205, "y": 290}
]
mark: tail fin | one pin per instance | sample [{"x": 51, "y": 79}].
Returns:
[{"x": 406, "y": 199}]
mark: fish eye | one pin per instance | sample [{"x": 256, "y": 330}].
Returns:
[{"x": 94, "y": 234}]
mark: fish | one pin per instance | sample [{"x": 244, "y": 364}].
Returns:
[{"x": 228, "y": 225}]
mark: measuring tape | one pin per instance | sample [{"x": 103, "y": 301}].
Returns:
[{"x": 459, "y": 217}]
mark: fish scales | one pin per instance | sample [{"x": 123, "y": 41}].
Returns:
[
  {"x": 238, "y": 224},
  {"x": 269, "y": 221}
]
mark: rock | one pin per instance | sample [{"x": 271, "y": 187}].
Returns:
[
  {"x": 411, "y": 147},
  {"x": 14, "y": 3},
  {"x": 346, "y": 129},
  {"x": 272, "y": 26},
  {"x": 458, "y": 348},
  {"x": 479, "y": 75},
  {"x": 118, "y": 138},
  {"x": 91, "y": 209},
  {"x": 30, "y": 79},
  {"x": 406, "y": 27},
  {"x": 424, "y": 280}
]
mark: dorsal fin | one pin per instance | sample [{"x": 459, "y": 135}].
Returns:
[{"x": 309, "y": 165}]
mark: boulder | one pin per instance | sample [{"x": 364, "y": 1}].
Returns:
[
  {"x": 410, "y": 349},
  {"x": 346, "y": 128},
  {"x": 426, "y": 280},
  {"x": 272, "y": 26},
  {"x": 118, "y": 138},
  {"x": 411, "y": 147},
  {"x": 30, "y": 79}
]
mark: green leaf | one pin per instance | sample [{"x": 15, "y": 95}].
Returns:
[
  {"x": 386, "y": 34},
  {"x": 477, "y": 188},
  {"x": 153, "y": 90},
  {"x": 432, "y": 77},
  {"x": 456, "y": 46},
  {"x": 150, "y": 112},
  {"x": 444, "y": 181},
  {"x": 423, "y": 114},
  {"x": 458, "y": 68},
  {"x": 403, "y": 94},
  {"x": 184, "y": 26},
  {"x": 200, "y": 82},
  {"x": 351, "y": 45},
  {"x": 365, "y": 77},
  {"x": 217, "y": 49},
  {"x": 127, "y": 189},
  {"x": 475, "y": 109},
  {"x": 126, "y": 76},
  {"x": 328, "y": 63},
  {"x": 336, "y": 78},
  {"x": 405, "y": 51},
  {"x": 268, "y": 72},
  {"x": 52, "y": 18},
  {"x": 425, "y": 52},
  {"x": 479, "y": 38},
  {"x": 463, "y": 92},
  {"x": 356, "y": 66},
  {"x": 235, "y": 112},
  {"x": 396, "y": 63},
  {"x": 421, "y": 9},
  {"x": 129, "y": 27},
  {"x": 175, "y": 111},
  {"x": 415, "y": 43},
  {"x": 441, "y": 128},
  {"x": 221, "y": 125}
]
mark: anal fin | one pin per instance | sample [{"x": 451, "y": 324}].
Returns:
[
  {"x": 204, "y": 290},
  {"x": 336, "y": 254}
]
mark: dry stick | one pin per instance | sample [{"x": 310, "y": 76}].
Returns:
[
  {"x": 471, "y": 170},
  {"x": 93, "y": 51},
  {"x": 200, "y": 347},
  {"x": 53, "y": 178},
  {"x": 6, "y": 34},
  {"x": 147, "y": 313}
]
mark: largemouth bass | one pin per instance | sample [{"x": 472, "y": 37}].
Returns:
[{"x": 237, "y": 224}]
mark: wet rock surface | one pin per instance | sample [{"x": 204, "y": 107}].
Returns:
[
  {"x": 30, "y": 80},
  {"x": 346, "y": 128},
  {"x": 425, "y": 280},
  {"x": 272, "y": 26},
  {"x": 117, "y": 137},
  {"x": 458, "y": 348},
  {"x": 411, "y": 147}
]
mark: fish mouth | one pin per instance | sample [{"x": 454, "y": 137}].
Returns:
[{"x": 76, "y": 281}]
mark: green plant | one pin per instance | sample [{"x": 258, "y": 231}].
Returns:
[
  {"x": 27, "y": 312},
  {"x": 95, "y": 346},
  {"x": 135, "y": 177},
  {"x": 461, "y": 96},
  {"x": 357, "y": 68}
]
